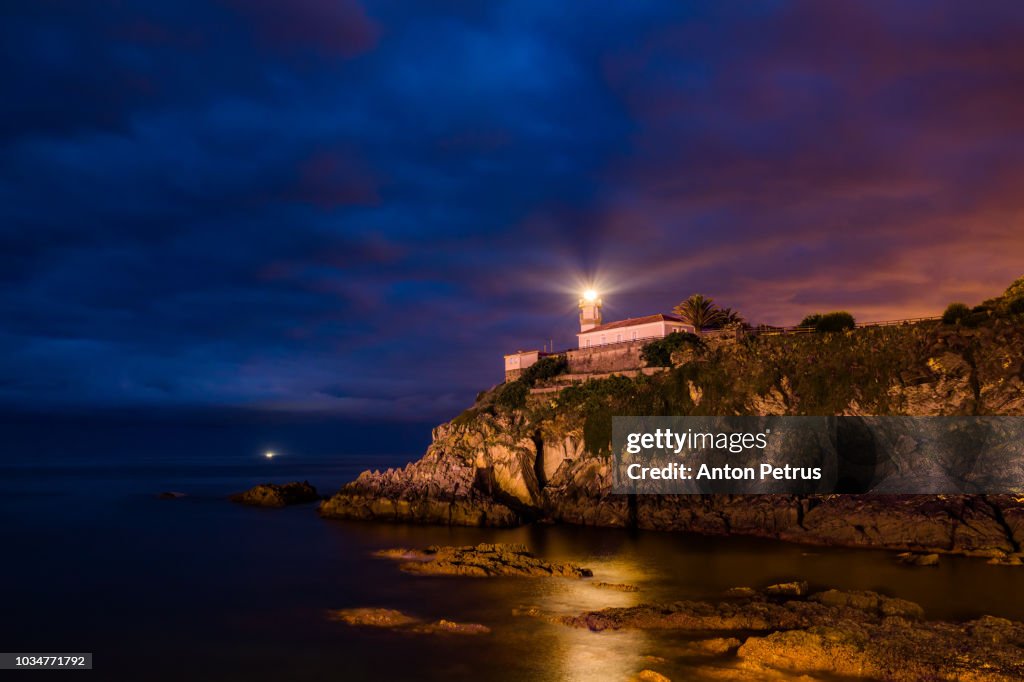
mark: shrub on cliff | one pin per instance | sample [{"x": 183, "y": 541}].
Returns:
[
  {"x": 1012, "y": 300},
  {"x": 836, "y": 321},
  {"x": 955, "y": 313},
  {"x": 810, "y": 321},
  {"x": 979, "y": 315},
  {"x": 1009, "y": 303},
  {"x": 658, "y": 353},
  {"x": 545, "y": 368},
  {"x": 512, "y": 396}
]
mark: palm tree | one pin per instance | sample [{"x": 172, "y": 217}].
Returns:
[
  {"x": 699, "y": 311},
  {"x": 730, "y": 317}
]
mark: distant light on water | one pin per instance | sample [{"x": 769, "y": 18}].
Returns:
[{"x": 269, "y": 454}]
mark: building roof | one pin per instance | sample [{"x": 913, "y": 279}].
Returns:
[{"x": 633, "y": 322}]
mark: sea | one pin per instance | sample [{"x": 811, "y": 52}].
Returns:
[{"x": 92, "y": 559}]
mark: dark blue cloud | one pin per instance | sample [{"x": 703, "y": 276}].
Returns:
[{"x": 359, "y": 207}]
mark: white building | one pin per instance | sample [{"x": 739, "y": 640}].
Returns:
[
  {"x": 649, "y": 327},
  {"x": 593, "y": 333},
  {"x": 520, "y": 360}
]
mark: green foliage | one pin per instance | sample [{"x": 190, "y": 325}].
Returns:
[
  {"x": 658, "y": 353},
  {"x": 955, "y": 313},
  {"x": 1015, "y": 292},
  {"x": 545, "y": 368},
  {"x": 836, "y": 321},
  {"x": 978, "y": 315},
  {"x": 728, "y": 318},
  {"x": 512, "y": 396},
  {"x": 1010, "y": 303},
  {"x": 811, "y": 320},
  {"x": 1013, "y": 299}
]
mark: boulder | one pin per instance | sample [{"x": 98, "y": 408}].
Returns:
[
  {"x": 915, "y": 559},
  {"x": 274, "y": 495},
  {"x": 796, "y": 588},
  {"x": 373, "y": 617}
]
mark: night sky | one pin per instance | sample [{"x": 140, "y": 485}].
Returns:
[{"x": 359, "y": 207}]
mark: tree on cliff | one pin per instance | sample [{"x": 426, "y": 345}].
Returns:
[
  {"x": 700, "y": 311},
  {"x": 730, "y": 317}
]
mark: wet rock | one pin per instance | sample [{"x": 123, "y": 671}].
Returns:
[
  {"x": 716, "y": 646},
  {"x": 988, "y": 649},
  {"x": 483, "y": 560},
  {"x": 870, "y": 602},
  {"x": 274, "y": 495},
  {"x": 170, "y": 495},
  {"x": 650, "y": 676},
  {"x": 448, "y": 627},
  {"x": 396, "y": 620},
  {"x": 373, "y": 617},
  {"x": 693, "y": 615},
  {"x": 619, "y": 587},
  {"x": 790, "y": 589},
  {"x": 914, "y": 559},
  {"x": 850, "y": 634}
]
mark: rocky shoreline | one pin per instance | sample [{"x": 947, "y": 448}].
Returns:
[
  {"x": 854, "y": 634},
  {"x": 498, "y": 465},
  {"x": 781, "y": 631}
]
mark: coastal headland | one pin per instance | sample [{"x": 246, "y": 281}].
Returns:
[{"x": 538, "y": 449}]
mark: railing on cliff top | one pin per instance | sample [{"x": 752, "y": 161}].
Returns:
[
  {"x": 763, "y": 330},
  {"x": 773, "y": 331}
]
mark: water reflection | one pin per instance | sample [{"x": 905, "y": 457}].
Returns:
[{"x": 235, "y": 591}]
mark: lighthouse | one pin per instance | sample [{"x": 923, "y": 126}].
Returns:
[{"x": 590, "y": 310}]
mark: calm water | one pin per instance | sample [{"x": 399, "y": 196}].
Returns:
[{"x": 199, "y": 588}]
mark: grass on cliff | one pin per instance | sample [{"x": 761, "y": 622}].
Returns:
[{"x": 813, "y": 374}]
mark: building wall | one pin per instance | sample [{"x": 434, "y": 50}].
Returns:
[
  {"x": 648, "y": 331},
  {"x": 517, "y": 362},
  {"x": 613, "y": 357}
]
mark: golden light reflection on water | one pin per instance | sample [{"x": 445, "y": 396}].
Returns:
[
  {"x": 664, "y": 567},
  {"x": 579, "y": 654}
]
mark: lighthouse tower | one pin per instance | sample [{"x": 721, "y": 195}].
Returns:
[{"x": 590, "y": 310}]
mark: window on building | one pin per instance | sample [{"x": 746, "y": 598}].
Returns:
[{"x": 618, "y": 338}]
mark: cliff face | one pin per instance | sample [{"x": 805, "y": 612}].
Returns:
[{"x": 517, "y": 456}]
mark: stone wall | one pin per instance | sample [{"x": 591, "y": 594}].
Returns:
[{"x": 613, "y": 357}]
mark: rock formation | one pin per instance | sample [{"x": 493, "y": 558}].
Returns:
[
  {"x": 832, "y": 633},
  {"x": 516, "y": 457},
  {"x": 396, "y": 620},
  {"x": 274, "y": 495},
  {"x": 483, "y": 560}
]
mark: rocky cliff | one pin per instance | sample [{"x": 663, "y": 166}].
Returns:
[{"x": 520, "y": 455}]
